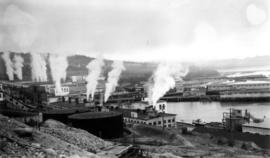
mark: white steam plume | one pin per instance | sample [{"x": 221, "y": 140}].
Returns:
[
  {"x": 94, "y": 71},
  {"x": 18, "y": 65},
  {"x": 39, "y": 69},
  {"x": 58, "y": 65},
  {"x": 9, "y": 65},
  {"x": 164, "y": 80},
  {"x": 113, "y": 78}
]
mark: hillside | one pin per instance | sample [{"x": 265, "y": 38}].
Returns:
[
  {"x": 200, "y": 72},
  {"x": 232, "y": 64},
  {"x": 77, "y": 66},
  {"x": 136, "y": 71}
]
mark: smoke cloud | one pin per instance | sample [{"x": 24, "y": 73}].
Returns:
[
  {"x": 21, "y": 29},
  {"x": 113, "y": 78},
  {"x": 9, "y": 65},
  {"x": 39, "y": 69},
  {"x": 18, "y": 65},
  {"x": 164, "y": 80},
  {"x": 58, "y": 65},
  {"x": 146, "y": 31},
  {"x": 94, "y": 71}
]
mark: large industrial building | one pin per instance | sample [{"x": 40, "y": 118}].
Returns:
[
  {"x": 144, "y": 113},
  {"x": 248, "y": 90},
  {"x": 149, "y": 118}
]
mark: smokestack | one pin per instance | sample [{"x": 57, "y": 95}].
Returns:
[
  {"x": 9, "y": 65},
  {"x": 113, "y": 78},
  {"x": 58, "y": 66},
  {"x": 39, "y": 69},
  {"x": 18, "y": 65},
  {"x": 164, "y": 80},
  {"x": 94, "y": 71}
]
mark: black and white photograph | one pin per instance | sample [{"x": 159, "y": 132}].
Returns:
[{"x": 134, "y": 78}]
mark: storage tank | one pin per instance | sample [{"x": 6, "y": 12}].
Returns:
[
  {"x": 106, "y": 125},
  {"x": 59, "y": 115}
]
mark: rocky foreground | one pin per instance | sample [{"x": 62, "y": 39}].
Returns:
[
  {"x": 172, "y": 143},
  {"x": 53, "y": 139}
]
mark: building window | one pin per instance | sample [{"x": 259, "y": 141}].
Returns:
[
  {"x": 155, "y": 123},
  {"x": 164, "y": 121},
  {"x": 150, "y": 123},
  {"x": 159, "y": 122},
  {"x": 169, "y": 120}
]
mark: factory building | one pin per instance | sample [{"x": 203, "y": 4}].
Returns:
[
  {"x": 194, "y": 91},
  {"x": 245, "y": 94},
  {"x": 50, "y": 89},
  {"x": 247, "y": 90},
  {"x": 234, "y": 119},
  {"x": 259, "y": 85},
  {"x": 151, "y": 118},
  {"x": 160, "y": 106},
  {"x": 78, "y": 78},
  {"x": 218, "y": 87}
]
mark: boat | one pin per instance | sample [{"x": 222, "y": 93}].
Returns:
[{"x": 198, "y": 122}]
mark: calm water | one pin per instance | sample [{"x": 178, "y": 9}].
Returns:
[{"x": 212, "y": 111}]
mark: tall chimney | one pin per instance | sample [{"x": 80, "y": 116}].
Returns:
[{"x": 101, "y": 99}]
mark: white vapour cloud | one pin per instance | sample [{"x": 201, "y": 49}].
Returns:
[
  {"x": 146, "y": 29},
  {"x": 18, "y": 65},
  {"x": 38, "y": 66},
  {"x": 21, "y": 29},
  {"x": 164, "y": 80},
  {"x": 113, "y": 78},
  {"x": 94, "y": 71},
  {"x": 255, "y": 15},
  {"x": 58, "y": 65},
  {"x": 9, "y": 65}
]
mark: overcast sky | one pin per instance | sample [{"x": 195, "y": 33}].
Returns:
[{"x": 138, "y": 30}]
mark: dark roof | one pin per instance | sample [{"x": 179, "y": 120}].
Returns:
[
  {"x": 143, "y": 115},
  {"x": 94, "y": 115},
  {"x": 64, "y": 111}
]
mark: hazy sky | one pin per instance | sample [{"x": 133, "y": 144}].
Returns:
[{"x": 138, "y": 30}]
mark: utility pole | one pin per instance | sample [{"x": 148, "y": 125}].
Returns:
[
  {"x": 162, "y": 107},
  {"x": 231, "y": 127}
]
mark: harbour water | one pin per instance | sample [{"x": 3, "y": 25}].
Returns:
[{"x": 212, "y": 111}]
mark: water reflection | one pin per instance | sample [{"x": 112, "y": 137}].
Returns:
[{"x": 212, "y": 111}]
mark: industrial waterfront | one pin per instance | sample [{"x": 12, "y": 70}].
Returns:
[{"x": 134, "y": 79}]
